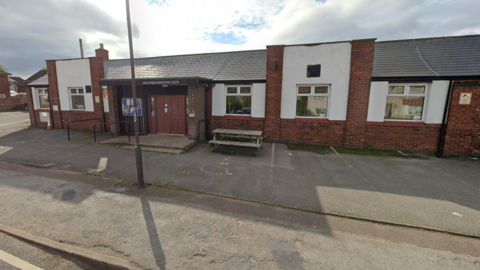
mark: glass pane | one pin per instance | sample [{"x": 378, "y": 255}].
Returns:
[
  {"x": 73, "y": 91},
  {"x": 78, "y": 102},
  {"x": 239, "y": 105},
  {"x": 80, "y": 91},
  {"x": 312, "y": 106},
  {"x": 304, "y": 90},
  {"x": 44, "y": 103},
  {"x": 404, "y": 108},
  {"x": 321, "y": 89},
  {"x": 245, "y": 90},
  {"x": 396, "y": 89},
  {"x": 231, "y": 90},
  {"x": 40, "y": 91},
  {"x": 417, "y": 90},
  {"x": 45, "y": 91}
]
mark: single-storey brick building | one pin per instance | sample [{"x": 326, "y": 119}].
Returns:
[{"x": 417, "y": 94}]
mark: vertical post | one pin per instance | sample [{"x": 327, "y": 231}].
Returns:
[
  {"x": 81, "y": 48},
  {"x": 138, "y": 149}
]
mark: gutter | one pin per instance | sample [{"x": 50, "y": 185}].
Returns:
[{"x": 443, "y": 131}]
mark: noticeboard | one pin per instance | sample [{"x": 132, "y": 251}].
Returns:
[{"x": 128, "y": 107}]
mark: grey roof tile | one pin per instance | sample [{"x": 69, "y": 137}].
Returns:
[
  {"x": 447, "y": 56},
  {"x": 243, "y": 65},
  {"x": 40, "y": 81}
]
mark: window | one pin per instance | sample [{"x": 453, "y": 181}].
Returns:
[
  {"x": 405, "y": 102},
  {"x": 312, "y": 101},
  {"x": 77, "y": 96},
  {"x": 313, "y": 71},
  {"x": 239, "y": 100},
  {"x": 43, "y": 98}
]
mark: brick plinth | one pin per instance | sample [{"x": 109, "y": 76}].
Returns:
[
  {"x": 361, "y": 67},
  {"x": 329, "y": 133},
  {"x": 237, "y": 123},
  {"x": 273, "y": 93}
]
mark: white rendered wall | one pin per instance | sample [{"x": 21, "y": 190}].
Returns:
[
  {"x": 36, "y": 106},
  {"x": 377, "y": 101},
  {"x": 73, "y": 73},
  {"x": 436, "y": 102},
  {"x": 335, "y": 70},
  {"x": 219, "y": 100}
]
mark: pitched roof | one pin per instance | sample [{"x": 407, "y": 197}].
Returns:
[
  {"x": 42, "y": 81},
  {"x": 242, "y": 65},
  {"x": 3, "y": 73},
  {"x": 37, "y": 75},
  {"x": 446, "y": 56},
  {"x": 20, "y": 81}
]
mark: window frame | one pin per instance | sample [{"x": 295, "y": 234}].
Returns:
[
  {"x": 238, "y": 86},
  {"x": 406, "y": 93},
  {"x": 43, "y": 94},
  {"x": 71, "y": 95},
  {"x": 312, "y": 93}
]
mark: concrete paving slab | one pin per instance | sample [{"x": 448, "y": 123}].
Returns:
[
  {"x": 158, "y": 150},
  {"x": 164, "y": 141}
]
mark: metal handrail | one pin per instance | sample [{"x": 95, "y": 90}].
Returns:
[
  {"x": 68, "y": 125},
  {"x": 95, "y": 128}
]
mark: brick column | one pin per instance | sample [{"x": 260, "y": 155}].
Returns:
[
  {"x": 196, "y": 103},
  {"x": 361, "y": 67},
  {"x": 113, "y": 106},
  {"x": 54, "y": 96},
  {"x": 273, "y": 93},
  {"x": 31, "y": 110},
  {"x": 96, "y": 73}
]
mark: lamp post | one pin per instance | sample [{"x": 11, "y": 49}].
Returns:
[{"x": 138, "y": 148}]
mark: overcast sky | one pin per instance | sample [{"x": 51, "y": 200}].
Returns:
[{"x": 36, "y": 30}]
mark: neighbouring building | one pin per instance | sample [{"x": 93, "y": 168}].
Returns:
[
  {"x": 417, "y": 94},
  {"x": 8, "y": 102},
  {"x": 20, "y": 86}
]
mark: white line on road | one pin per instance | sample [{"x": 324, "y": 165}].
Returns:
[
  {"x": 102, "y": 164},
  {"x": 4, "y": 149},
  {"x": 24, "y": 121},
  {"x": 272, "y": 165},
  {"x": 341, "y": 157},
  {"x": 12, "y": 260}
]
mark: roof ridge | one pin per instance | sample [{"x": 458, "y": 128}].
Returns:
[
  {"x": 428, "y": 38},
  {"x": 193, "y": 54}
]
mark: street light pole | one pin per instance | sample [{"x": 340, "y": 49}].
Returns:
[{"x": 138, "y": 148}]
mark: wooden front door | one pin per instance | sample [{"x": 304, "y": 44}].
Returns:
[{"x": 167, "y": 114}]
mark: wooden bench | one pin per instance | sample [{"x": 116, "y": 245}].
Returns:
[{"x": 236, "y": 137}]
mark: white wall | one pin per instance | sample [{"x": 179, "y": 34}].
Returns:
[
  {"x": 36, "y": 106},
  {"x": 377, "y": 101},
  {"x": 219, "y": 100},
  {"x": 335, "y": 70},
  {"x": 73, "y": 73},
  {"x": 436, "y": 102},
  {"x": 434, "y": 107}
]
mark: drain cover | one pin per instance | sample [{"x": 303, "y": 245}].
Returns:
[{"x": 182, "y": 174}]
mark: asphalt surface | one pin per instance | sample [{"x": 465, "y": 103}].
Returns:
[
  {"x": 436, "y": 193},
  {"x": 171, "y": 229}
]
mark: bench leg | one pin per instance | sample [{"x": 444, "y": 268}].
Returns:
[{"x": 212, "y": 147}]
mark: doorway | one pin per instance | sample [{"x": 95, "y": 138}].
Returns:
[{"x": 167, "y": 114}]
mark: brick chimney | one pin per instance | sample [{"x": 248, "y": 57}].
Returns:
[{"x": 101, "y": 52}]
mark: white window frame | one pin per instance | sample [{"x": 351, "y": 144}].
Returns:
[
  {"x": 43, "y": 94},
  {"x": 70, "y": 95},
  {"x": 406, "y": 94},
  {"x": 237, "y": 95},
  {"x": 312, "y": 93}
]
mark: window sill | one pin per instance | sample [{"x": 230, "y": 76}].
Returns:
[
  {"x": 238, "y": 117},
  {"x": 312, "y": 120},
  {"x": 404, "y": 124}
]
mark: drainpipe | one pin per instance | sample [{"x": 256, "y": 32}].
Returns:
[{"x": 443, "y": 131}]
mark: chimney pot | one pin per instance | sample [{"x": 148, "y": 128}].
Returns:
[{"x": 101, "y": 45}]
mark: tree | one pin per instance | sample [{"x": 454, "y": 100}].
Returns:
[
  {"x": 3, "y": 68},
  {"x": 44, "y": 68}
]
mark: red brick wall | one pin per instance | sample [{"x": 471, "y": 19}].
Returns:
[
  {"x": 196, "y": 103},
  {"x": 273, "y": 93},
  {"x": 463, "y": 123},
  {"x": 9, "y": 103},
  {"x": 237, "y": 123},
  {"x": 96, "y": 73},
  {"x": 113, "y": 108},
  {"x": 326, "y": 132},
  {"x": 4, "y": 86},
  {"x": 422, "y": 138},
  {"x": 54, "y": 97},
  {"x": 361, "y": 67},
  {"x": 31, "y": 112}
]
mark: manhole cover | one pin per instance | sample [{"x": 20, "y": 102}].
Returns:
[{"x": 182, "y": 174}]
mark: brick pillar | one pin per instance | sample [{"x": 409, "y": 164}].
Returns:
[
  {"x": 196, "y": 103},
  {"x": 113, "y": 106},
  {"x": 31, "y": 110},
  {"x": 209, "y": 114},
  {"x": 101, "y": 52},
  {"x": 97, "y": 73},
  {"x": 4, "y": 86},
  {"x": 54, "y": 96},
  {"x": 361, "y": 67},
  {"x": 273, "y": 93}
]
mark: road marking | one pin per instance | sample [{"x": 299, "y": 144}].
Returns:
[
  {"x": 4, "y": 149},
  {"x": 341, "y": 157},
  {"x": 24, "y": 121},
  {"x": 102, "y": 164},
  {"x": 272, "y": 165},
  {"x": 456, "y": 214},
  {"x": 12, "y": 260}
]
